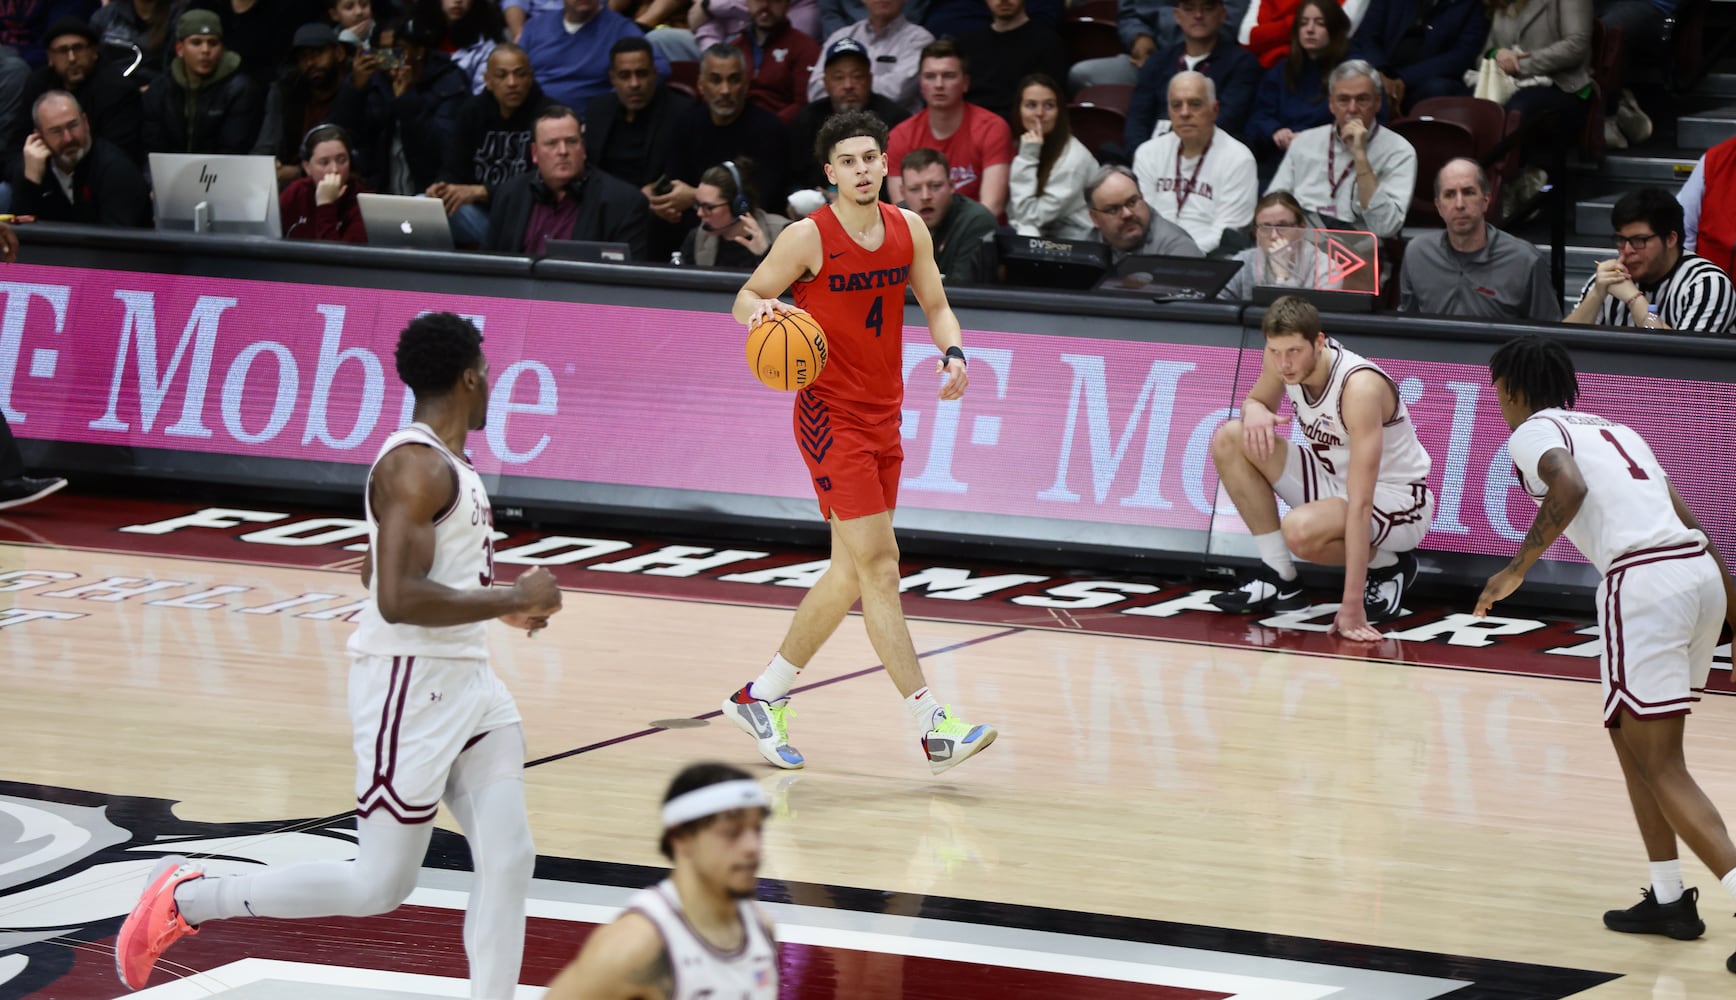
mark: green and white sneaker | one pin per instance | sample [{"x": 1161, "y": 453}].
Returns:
[
  {"x": 768, "y": 722},
  {"x": 953, "y": 741}
]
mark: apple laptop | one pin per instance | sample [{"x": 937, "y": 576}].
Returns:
[{"x": 405, "y": 221}]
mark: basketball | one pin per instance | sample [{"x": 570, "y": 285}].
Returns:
[{"x": 787, "y": 352}]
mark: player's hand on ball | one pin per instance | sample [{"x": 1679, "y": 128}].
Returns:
[
  {"x": 1500, "y": 587},
  {"x": 538, "y": 594},
  {"x": 956, "y": 379},
  {"x": 1351, "y": 623},
  {"x": 769, "y": 308}
]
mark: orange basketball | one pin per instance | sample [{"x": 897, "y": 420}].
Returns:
[{"x": 787, "y": 352}]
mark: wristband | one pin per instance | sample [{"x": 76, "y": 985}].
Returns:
[{"x": 957, "y": 352}]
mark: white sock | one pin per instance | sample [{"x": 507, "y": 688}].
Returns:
[
  {"x": 922, "y": 708},
  {"x": 775, "y": 683},
  {"x": 1667, "y": 881},
  {"x": 1729, "y": 881},
  {"x": 1274, "y": 553},
  {"x": 1382, "y": 559}
]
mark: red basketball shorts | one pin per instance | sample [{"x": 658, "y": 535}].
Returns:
[{"x": 853, "y": 462}]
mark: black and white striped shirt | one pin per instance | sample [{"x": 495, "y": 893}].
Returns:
[{"x": 1696, "y": 295}]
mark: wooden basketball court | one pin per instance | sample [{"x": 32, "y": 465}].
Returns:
[{"x": 1218, "y": 817}]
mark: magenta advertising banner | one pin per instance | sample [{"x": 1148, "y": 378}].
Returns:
[{"x": 1069, "y": 428}]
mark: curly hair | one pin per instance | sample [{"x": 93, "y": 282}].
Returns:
[
  {"x": 434, "y": 351},
  {"x": 1539, "y": 369},
  {"x": 849, "y": 125}
]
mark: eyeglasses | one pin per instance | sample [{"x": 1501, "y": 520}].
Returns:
[
  {"x": 1127, "y": 207},
  {"x": 1637, "y": 242},
  {"x": 72, "y": 49},
  {"x": 60, "y": 131},
  {"x": 708, "y": 206},
  {"x": 1355, "y": 100}
]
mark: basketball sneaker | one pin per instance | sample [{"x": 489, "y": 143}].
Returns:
[
  {"x": 23, "y": 490},
  {"x": 953, "y": 741},
  {"x": 1383, "y": 594},
  {"x": 155, "y": 922},
  {"x": 1679, "y": 920},
  {"x": 1261, "y": 590},
  {"x": 768, "y": 722}
]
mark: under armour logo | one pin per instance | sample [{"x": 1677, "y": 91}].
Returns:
[{"x": 435, "y": 696}]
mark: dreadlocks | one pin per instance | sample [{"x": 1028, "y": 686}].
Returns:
[{"x": 1537, "y": 368}]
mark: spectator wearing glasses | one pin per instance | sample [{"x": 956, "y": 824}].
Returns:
[
  {"x": 1203, "y": 47},
  {"x": 1653, "y": 284},
  {"x": 1292, "y": 97},
  {"x": 69, "y": 175},
  {"x": 1283, "y": 254},
  {"x": 1126, "y": 223},
  {"x": 1351, "y": 173},
  {"x": 734, "y": 231},
  {"x": 109, "y": 99},
  {"x": 1471, "y": 268}
]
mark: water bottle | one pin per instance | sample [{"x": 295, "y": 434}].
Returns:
[
  {"x": 1652, "y": 317},
  {"x": 675, "y": 258}
]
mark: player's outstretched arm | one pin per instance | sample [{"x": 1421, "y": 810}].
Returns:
[
  {"x": 411, "y": 487},
  {"x": 1565, "y": 494},
  {"x": 1693, "y": 522},
  {"x": 794, "y": 255},
  {"x": 1365, "y": 401},
  {"x": 624, "y": 960},
  {"x": 931, "y": 296}
]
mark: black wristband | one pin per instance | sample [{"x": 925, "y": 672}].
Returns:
[{"x": 957, "y": 352}]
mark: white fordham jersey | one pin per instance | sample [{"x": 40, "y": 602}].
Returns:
[
  {"x": 700, "y": 971},
  {"x": 463, "y": 560},
  {"x": 1627, "y": 506},
  {"x": 1402, "y": 458}
]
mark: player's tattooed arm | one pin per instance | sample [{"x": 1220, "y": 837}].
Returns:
[{"x": 1560, "y": 473}]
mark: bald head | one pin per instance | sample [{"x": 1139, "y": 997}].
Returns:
[
  {"x": 1462, "y": 199},
  {"x": 1193, "y": 108}
]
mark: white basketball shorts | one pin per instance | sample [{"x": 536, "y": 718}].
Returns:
[
  {"x": 1660, "y": 611},
  {"x": 1402, "y": 511},
  {"x": 412, "y": 716}
]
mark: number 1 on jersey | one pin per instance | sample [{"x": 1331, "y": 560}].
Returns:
[
  {"x": 876, "y": 320},
  {"x": 1634, "y": 469}
]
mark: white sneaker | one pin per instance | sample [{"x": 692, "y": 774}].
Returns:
[
  {"x": 768, "y": 722},
  {"x": 1631, "y": 119},
  {"x": 953, "y": 741},
  {"x": 1612, "y": 136}
]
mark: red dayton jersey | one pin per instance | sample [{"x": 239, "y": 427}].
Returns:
[{"x": 858, "y": 299}]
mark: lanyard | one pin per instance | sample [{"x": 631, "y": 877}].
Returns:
[
  {"x": 1332, "y": 164},
  {"x": 1183, "y": 194}
]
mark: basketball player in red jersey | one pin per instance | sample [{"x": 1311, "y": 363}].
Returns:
[{"x": 849, "y": 263}]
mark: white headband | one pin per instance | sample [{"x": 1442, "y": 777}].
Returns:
[{"x": 713, "y": 799}]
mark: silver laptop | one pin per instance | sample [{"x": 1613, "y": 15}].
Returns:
[
  {"x": 405, "y": 221},
  {"x": 234, "y": 195}
]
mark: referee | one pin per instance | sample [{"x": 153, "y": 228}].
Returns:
[{"x": 1652, "y": 284}]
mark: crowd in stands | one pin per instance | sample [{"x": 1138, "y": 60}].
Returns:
[{"x": 1233, "y": 129}]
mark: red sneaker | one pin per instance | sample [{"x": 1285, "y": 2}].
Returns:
[{"x": 155, "y": 922}]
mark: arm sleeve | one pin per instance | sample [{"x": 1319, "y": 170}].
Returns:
[
  {"x": 1573, "y": 48},
  {"x": 1691, "y": 195}
]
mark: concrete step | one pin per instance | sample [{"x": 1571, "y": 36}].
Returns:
[
  {"x": 1591, "y": 215},
  {"x": 1705, "y": 129},
  {"x": 1669, "y": 171},
  {"x": 1717, "y": 85}
]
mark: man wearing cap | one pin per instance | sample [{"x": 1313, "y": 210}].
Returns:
[
  {"x": 205, "y": 104},
  {"x": 848, "y": 78},
  {"x": 894, "y": 46},
  {"x": 302, "y": 98},
  {"x": 1203, "y": 47},
  {"x": 66, "y": 174},
  {"x": 110, "y": 101},
  {"x": 701, "y": 922}
]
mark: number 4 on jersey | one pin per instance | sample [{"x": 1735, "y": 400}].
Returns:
[{"x": 875, "y": 320}]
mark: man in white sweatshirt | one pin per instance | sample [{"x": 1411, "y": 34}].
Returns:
[{"x": 1194, "y": 175}]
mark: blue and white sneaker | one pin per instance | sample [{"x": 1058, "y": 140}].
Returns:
[
  {"x": 768, "y": 722},
  {"x": 953, "y": 741}
]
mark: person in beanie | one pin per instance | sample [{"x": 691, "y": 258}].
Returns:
[{"x": 205, "y": 104}]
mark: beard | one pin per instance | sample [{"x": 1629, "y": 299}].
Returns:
[{"x": 67, "y": 159}]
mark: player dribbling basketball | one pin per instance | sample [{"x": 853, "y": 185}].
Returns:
[
  {"x": 697, "y": 934},
  {"x": 1665, "y": 594},
  {"x": 849, "y": 264}
]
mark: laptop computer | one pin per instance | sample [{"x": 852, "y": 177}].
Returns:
[
  {"x": 405, "y": 221},
  {"x": 1170, "y": 279},
  {"x": 1037, "y": 262},
  {"x": 587, "y": 251},
  {"x": 233, "y": 195}
]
